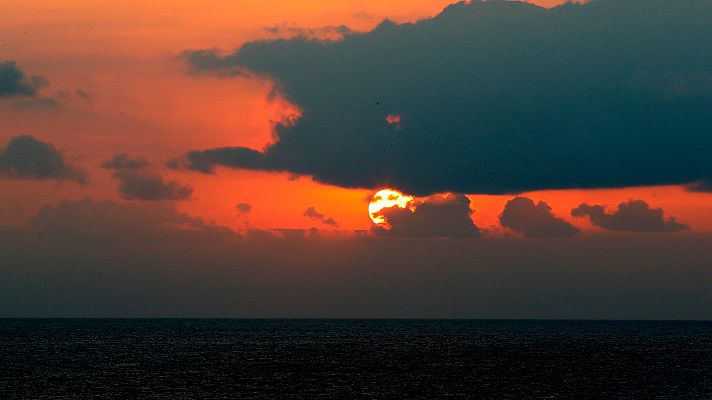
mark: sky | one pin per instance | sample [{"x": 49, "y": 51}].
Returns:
[{"x": 176, "y": 158}]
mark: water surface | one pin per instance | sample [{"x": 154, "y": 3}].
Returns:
[{"x": 230, "y": 358}]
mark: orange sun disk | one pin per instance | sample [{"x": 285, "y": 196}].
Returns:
[{"x": 388, "y": 198}]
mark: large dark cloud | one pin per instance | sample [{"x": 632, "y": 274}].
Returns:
[
  {"x": 28, "y": 158},
  {"x": 522, "y": 215},
  {"x": 446, "y": 216},
  {"x": 634, "y": 215},
  {"x": 493, "y": 97},
  {"x": 14, "y": 82},
  {"x": 89, "y": 259},
  {"x": 137, "y": 182}
]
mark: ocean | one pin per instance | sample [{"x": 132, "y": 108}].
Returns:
[{"x": 322, "y": 358}]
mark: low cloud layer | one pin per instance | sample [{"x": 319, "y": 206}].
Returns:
[
  {"x": 105, "y": 259},
  {"x": 315, "y": 215},
  {"x": 90, "y": 223},
  {"x": 138, "y": 182},
  {"x": 532, "y": 220},
  {"x": 445, "y": 216},
  {"x": 634, "y": 216},
  {"x": 492, "y": 97},
  {"x": 14, "y": 82},
  {"x": 25, "y": 157}
]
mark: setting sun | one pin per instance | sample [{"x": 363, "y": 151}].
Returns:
[{"x": 387, "y": 198}]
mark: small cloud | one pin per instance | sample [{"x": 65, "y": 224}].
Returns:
[
  {"x": 634, "y": 216},
  {"x": 532, "y": 220},
  {"x": 83, "y": 95},
  {"x": 701, "y": 187},
  {"x": 312, "y": 213},
  {"x": 28, "y": 158},
  {"x": 243, "y": 208},
  {"x": 327, "y": 33},
  {"x": 14, "y": 82},
  {"x": 136, "y": 182},
  {"x": 123, "y": 161}
]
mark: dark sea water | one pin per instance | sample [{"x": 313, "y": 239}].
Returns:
[{"x": 153, "y": 358}]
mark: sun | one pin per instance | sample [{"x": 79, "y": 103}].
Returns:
[{"x": 387, "y": 198}]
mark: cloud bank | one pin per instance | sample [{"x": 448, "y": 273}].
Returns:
[
  {"x": 634, "y": 215},
  {"x": 25, "y": 157},
  {"x": 106, "y": 259},
  {"x": 493, "y": 97}
]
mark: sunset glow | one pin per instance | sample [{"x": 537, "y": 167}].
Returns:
[{"x": 388, "y": 198}]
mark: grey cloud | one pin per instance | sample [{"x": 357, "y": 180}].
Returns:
[
  {"x": 494, "y": 97},
  {"x": 312, "y": 213},
  {"x": 14, "y": 82},
  {"x": 634, "y": 215},
  {"x": 445, "y": 216},
  {"x": 522, "y": 215},
  {"x": 137, "y": 182},
  {"x": 123, "y": 161},
  {"x": 28, "y": 158}
]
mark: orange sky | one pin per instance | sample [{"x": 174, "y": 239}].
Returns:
[{"x": 125, "y": 56}]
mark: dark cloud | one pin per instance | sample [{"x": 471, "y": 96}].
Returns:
[
  {"x": 105, "y": 259},
  {"x": 703, "y": 186},
  {"x": 446, "y": 216},
  {"x": 493, "y": 97},
  {"x": 634, "y": 215},
  {"x": 522, "y": 215},
  {"x": 28, "y": 158},
  {"x": 14, "y": 82},
  {"x": 312, "y": 213},
  {"x": 243, "y": 208},
  {"x": 137, "y": 182}
]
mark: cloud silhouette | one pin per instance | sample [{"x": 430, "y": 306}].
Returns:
[
  {"x": 137, "y": 182},
  {"x": 14, "y": 82},
  {"x": 445, "y": 216},
  {"x": 493, "y": 97},
  {"x": 312, "y": 213},
  {"x": 28, "y": 158},
  {"x": 243, "y": 208},
  {"x": 634, "y": 215},
  {"x": 532, "y": 220},
  {"x": 702, "y": 186}
]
